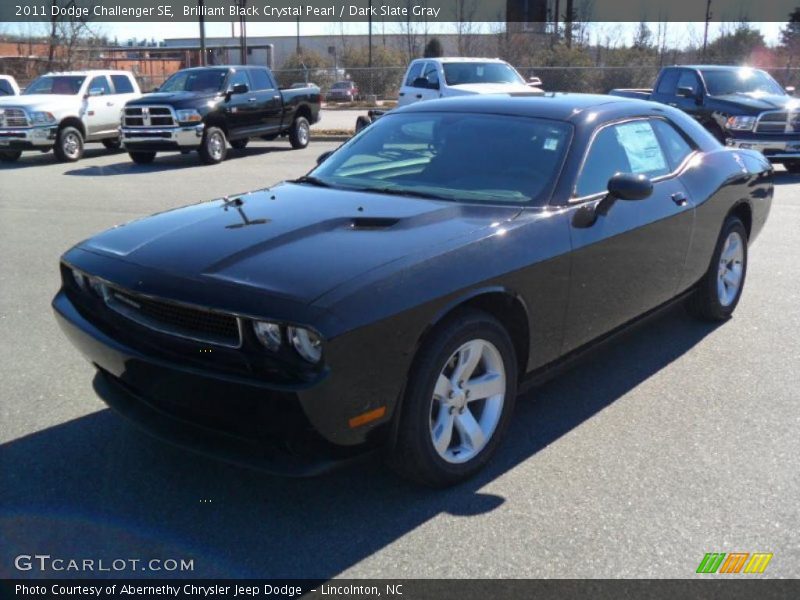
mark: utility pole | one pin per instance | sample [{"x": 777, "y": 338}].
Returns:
[
  {"x": 201, "y": 4},
  {"x": 243, "y": 31},
  {"x": 705, "y": 33},
  {"x": 369, "y": 51},
  {"x": 298, "y": 36}
]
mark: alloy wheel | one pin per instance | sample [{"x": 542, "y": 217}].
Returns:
[{"x": 729, "y": 274}]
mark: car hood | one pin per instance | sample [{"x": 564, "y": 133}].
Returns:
[
  {"x": 173, "y": 98},
  {"x": 759, "y": 102},
  {"x": 491, "y": 88},
  {"x": 40, "y": 101},
  {"x": 293, "y": 240}
]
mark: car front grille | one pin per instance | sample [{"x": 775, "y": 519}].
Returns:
[
  {"x": 175, "y": 319},
  {"x": 13, "y": 117},
  {"x": 778, "y": 121},
  {"x": 148, "y": 116}
]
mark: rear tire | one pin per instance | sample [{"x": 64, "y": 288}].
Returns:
[
  {"x": 69, "y": 145},
  {"x": 142, "y": 158},
  {"x": 214, "y": 147},
  {"x": 112, "y": 144},
  {"x": 299, "y": 133},
  {"x": 239, "y": 144},
  {"x": 10, "y": 155},
  {"x": 718, "y": 292},
  {"x": 452, "y": 420}
]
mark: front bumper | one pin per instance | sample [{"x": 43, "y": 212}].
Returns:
[
  {"x": 773, "y": 149},
  {"x": 217, "y": 415},
  {"x": 149, "y": 139},
  {"x": 28, "y": 138}
]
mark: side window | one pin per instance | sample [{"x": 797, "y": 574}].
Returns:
[
  {"x": 630, "y": 147},
  {"x": 431, "y": 73},
  {"x": 414, "y": 72},
  {"x": 675, "y": 145},
  {"x": 261, "y": 80},
  {"x": 100, "y": 82},
  {"x": 668, "y": 83},
  {"x": 122, "y": 84},
  {"x": 238, "y": 77},
  {"x": 689, "y": 79}
]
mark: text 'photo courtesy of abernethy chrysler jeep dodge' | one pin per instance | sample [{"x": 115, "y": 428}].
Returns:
[{"x": 397, "y": 297}]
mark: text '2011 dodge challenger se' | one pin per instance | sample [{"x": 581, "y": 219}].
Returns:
[{"x": 400, "y": 294}]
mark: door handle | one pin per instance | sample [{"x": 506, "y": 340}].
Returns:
[
  {"x": 679, "y": 198},
  {"x": 109, "y": 104},
  {"x": 419, "y": 95},
  {"x": 672, "y": 104},
  {"x": 251, "y": 99},
  {"x": 276, "y": 97}
]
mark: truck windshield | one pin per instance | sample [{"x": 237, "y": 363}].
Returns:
[
  {"x": 462, "y": 73},
  {"x": 66, "y": 85},
  {"x": 196, "y": 80},
  {"x": 463, "y": 157},
  {"x": 740, "y": 81}
]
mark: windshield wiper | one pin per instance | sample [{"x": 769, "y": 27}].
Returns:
[
  {"x": 311, "y": 180},
  {"x": 403, "y": 192}
]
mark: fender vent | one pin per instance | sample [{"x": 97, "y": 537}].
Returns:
[{"x": 364, "y": 223}]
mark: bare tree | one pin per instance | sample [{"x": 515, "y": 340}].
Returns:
[{"x": 465, "y": 26}]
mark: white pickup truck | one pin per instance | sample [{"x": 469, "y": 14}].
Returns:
[
  {"x": 62, "y": 111},
  {"x": 8, "y": 86},
  {"x": 429, "y": 78}
]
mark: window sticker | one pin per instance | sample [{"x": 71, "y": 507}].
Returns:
[{"x": 641, "y": 147}]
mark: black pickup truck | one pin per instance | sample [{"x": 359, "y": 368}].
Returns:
[
  {"x": 206, "y": 108},
  {"x": 741, "y": 106}
]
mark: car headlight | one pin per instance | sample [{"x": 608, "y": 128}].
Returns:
[
  {"x": 307, "y": 343},
  {"x": 97, "y": 286},
  {"x": 42, "y": 117},
  {"x": 269, "y": 334},
  {"x": 189, "y": 115},
  {"x": 80, "y": 280},
  {"x": 740, "y": 123}
]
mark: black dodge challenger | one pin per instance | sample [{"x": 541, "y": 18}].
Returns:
[{"x": 400, "y": 295}]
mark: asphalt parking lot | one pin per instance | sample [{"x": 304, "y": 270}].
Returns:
[{"x": 677, "y": 440}]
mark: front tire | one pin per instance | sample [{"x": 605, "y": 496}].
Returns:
[
  {"x": 214, "y": 147},
  {"x": 299, "y": 133},
  {"x": 142, "y": 158},
  {"x": 10, "y": 155},
  {"x": 458, "y": 401},
  {"x": 69, "y": 144},
  {"x": 718, "y": 292}
]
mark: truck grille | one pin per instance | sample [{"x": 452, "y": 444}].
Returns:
[
  {"x": 148, "y": 116},
  {"x": 175, "y": 319},
  {"x": 778, "y": 121},
  {"x": 13, "y": 117}
]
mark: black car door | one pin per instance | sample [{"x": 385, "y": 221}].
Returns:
[
  {"x": 240, "y": 109},
  {"x": 269, "y": 104},
  {"x": 631, "y": 259}
]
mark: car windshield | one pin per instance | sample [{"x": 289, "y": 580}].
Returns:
[
  {"x": 465, "y": 157},
  {"x": 341, "y": 85},
  {"x": 56, "y": 84},
  {"x": 199, "y": 80},
  {"x": 462, "y": 73},
  {"x": 740, "y": 81}
]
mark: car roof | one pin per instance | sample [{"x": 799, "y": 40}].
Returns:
[
  {"x": 455, "y": 59},
  {"x": 91, "y": 72},
  {"x": 555, "y": 105},
  {"x": 717, "y": 67}
]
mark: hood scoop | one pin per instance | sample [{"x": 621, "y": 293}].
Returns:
[{"x": 372, "y": 223}]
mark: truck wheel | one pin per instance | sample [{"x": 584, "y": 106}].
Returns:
[
  {"x": 792, "y": 167},
  {"x": 299, "y": 133},
  {"x": 719, "y": 290},
  {"x": 214, "y": 146},
  {"x": 239, "y": 144},
  {"x": 112, "y": 144},
  {"x": 10, "y": 155},
  {"x": 69, "y": 144},
  {"x": 458, "y": 402},
  {"x": 142, "y": 158}
]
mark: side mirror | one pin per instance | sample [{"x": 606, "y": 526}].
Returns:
[
  {"x": 154, "y": 90},
  {"x": 96, "y": 92},
  {"x": 420, "y": 82},
  {"x": 687, "y": 92},
  {"x": 790, "y": 89},
  {"x": 534, "y": 81},
  {"x": 627, "y": 186},
  {"x": 239, "y": 88},
  {"x": 324, "y": 156}
]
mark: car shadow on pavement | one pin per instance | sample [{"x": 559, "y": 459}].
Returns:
[
  {"x": 37, "y": 159},
  {"x": 97, "y": 487},
  {"x": 786, "y": 178},
  {"x": 168, "y": 162}
]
